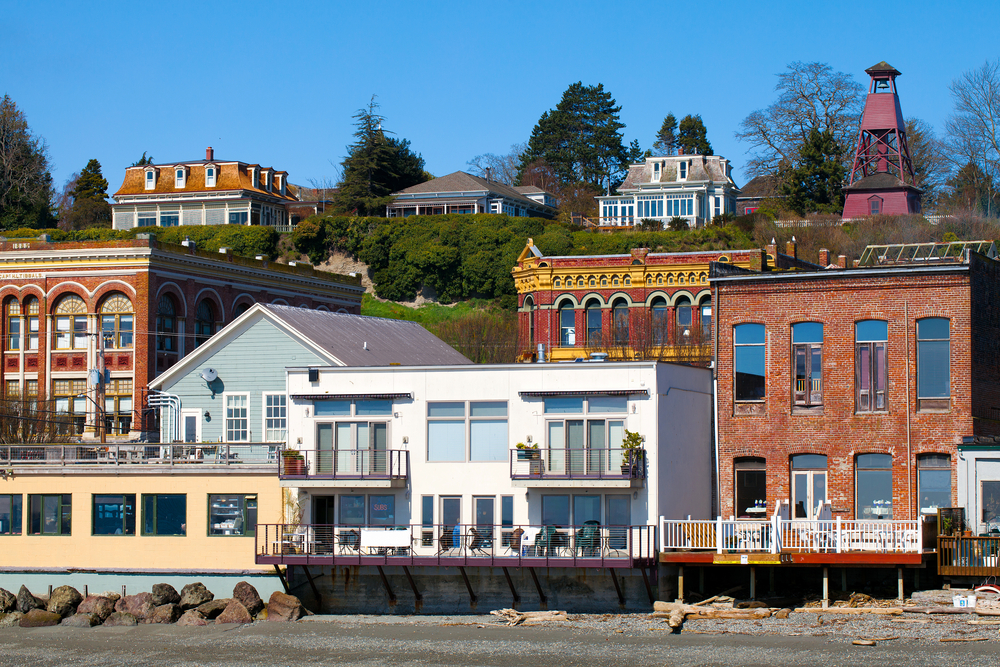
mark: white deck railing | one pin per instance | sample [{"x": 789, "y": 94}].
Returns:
[{"x": 804, "y": 535}]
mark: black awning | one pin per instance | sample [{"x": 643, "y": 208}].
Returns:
[
  {"x": 350, "y": 397},
  {"x": 588, "y": 392}
]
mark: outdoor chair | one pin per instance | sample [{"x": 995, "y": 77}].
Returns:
[
  {"x": 480, "y": 542},
  {"x": 545, "y": 541},
  {"x": 588, "y": 539},
  {"x": 348, "y": 541}
]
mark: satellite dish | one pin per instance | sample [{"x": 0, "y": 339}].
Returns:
[{"x": 209, "y": 375}]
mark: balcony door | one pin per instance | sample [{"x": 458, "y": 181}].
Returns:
[
  {"x": 352, "y": 448},
  {"x": 808, "y": 484},
  {"x": 585, "y": 447}
]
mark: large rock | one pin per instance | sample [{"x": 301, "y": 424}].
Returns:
[
  {"x": 39, "y": 618},
  {"x": 140, "y": 605},
  {"x": 195, "y": 595},
  {"x": 120, "y": 619},
  {"x": 26, "y": 601},
  {"x": 235, "y": 612},
  {"x": 165, "y": 594},
  {"x": 11, "y": 619},
  {"x": 248, "y": 597},
  {"x": 192, "y": 617},
  {"x": 111, "y": 595},
  {"x": 97, "y": 605},
  {"x": 81, "y": 621},
  {"x": 165, "y": 613},
  {"x": 213, "y": 608},
  {"x": 8, "y": 601},
  {"x": 64, "y": 601},
  {"x": 284, "y": 607}
]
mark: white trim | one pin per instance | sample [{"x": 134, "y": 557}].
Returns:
[
  {"x": 263, "y": 415},
  {"x": 187, "y": 412},
  {"x": 225, "y": 416}
]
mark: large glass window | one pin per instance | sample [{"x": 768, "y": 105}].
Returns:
[
  {"x": 71, "y": 402},
  {"x": 118, "y": 406},
  {"x": 483, "y": 424},
  {"x": 748, "y": 362},
  {"x": 990, "y": 501},
  {"x": 660, "y": 321},
  {"x": 13, "y": 313},
  {"x": 808, "y": 484},
  {"x": 529, "y": 306},
  {"x": 683, "y": 315},
  {"x": 275, "y": 417},
  {"x": 594, "y": 338},
  {"x": 166, "y": 325},
  {"x": 10, "y": 514},
  {"x": 237, "y": 421},
  {"x": 71, "y": 323},
  {"x": 204, "y": 322},
  {"x": 933, "y": 363},
  {"x": 116, "y": 322},
  {"x": 164, "y": 514},
  {"x": 751, "y": 487},
  {"x": 488, "y": 430},
  {"x": 706, "y": 321},
  {"x": 232, "y": 515},
  {"x": 807, "y": 364},
  {"x": 555, "y": 511},
  {"x": 620, "y": 322},
  {"x": 870, "y": 340},
  {"x": 585, "y": 446},
  {"x": 31, "y": 308},
  {"x": 933, "y": 482},
  {"x": 382, "y": 510},
  {"x": 50, "y": 514},
  {"x": 446, "y": 431},
  {"x": 874, "y": 486},
  {"x": 567, "y": 324},
  {"x": 114, "y": 514}
]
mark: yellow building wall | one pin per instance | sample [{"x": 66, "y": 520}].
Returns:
[{"x": 197, "y": 551}]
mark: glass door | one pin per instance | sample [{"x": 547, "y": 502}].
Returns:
[
  {"x": 324, "y": 448},
  {"x": 378, "y": 445},
  {"x": 618, "y": 516},
  {"x": 808, "y": 491},
  {"x": 485, "y": 519}
]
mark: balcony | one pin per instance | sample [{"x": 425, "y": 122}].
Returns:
[
  {"x": 567, "y": 468},
  {"x": 140, "y": 458},
  {"x": 347, "y": 467},
  {"x": 589, "y": 545},
  {"x": 968, "y": 556}
]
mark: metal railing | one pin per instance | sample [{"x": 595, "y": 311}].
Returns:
[
  {"x": 254, "y": 454},
  {"x": 784, "y": 535},
  {"x": 345, "y": 464},
  {"x": 968, "y": 556},
  {"x": 567, "y": 463},
  {"x": 590, "y": 545}
]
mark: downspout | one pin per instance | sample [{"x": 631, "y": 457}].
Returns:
[
  {"x": 909, "y": 452},
  {"x": 715, "y": 402}
]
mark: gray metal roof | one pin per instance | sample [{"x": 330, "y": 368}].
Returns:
[{"x": 357, "y": 340}]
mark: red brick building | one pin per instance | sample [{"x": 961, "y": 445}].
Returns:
[
  {"x": 149, "y": 303},
  {"x": 854, "y": 387}
]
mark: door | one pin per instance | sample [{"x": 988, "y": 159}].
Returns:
[
  {"x": 485, "y": 519},
  {"x": 324, "y": 447},
  {"x": 191, "y": 423},
  {"x": 808, "y": 491},
  {"x": 379, "y": 452},
  {"x": 323, "y": 510},
  {"x": 618, "y": 518}
]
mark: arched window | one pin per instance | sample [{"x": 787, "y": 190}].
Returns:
[
  {"x": 71, "y": 323},
  {"x": 683, "y": 309},
  {"x": 204, "y": 322},
  {"x": 12, "y": 311},
  {"x": 166, "y": 325},
  {"x": 748, "y": 362},
  {"x": 658, "y": 313},
  {"x": 870, "y": 340},
  {"x": 242, "y": 308},
  {"x": 567, "y": 324},
  {"x": 529, "y": 307},
  {"x": 31, "y": 309},
  {"x": 620, "y": 319},
  {"x": 116, "y": 322},
  {"x": 593, "y": 310}
]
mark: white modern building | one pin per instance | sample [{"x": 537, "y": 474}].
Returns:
[{"x": 693, "y": 187}]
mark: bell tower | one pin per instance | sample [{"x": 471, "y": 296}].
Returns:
[{"x": 881, "y": 180}]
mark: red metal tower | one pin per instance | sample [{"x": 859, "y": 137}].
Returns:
[{"x": 882, "y": 178}]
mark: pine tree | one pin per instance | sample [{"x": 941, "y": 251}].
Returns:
[
  {"x": 91, "y": 184},
  {"x": 666, "y": 138},
  {"x": 89, "y": 200},
  {"x": 815, "y": 184},
  {"x": 693, "y": 137},
  {"x": 25, "y": 181},
  {"x": 143, "y": 161}
]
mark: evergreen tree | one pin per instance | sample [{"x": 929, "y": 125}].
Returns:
[
  {"x": 815, "y": 184},
  {"x": 91, "y": 184},
  {"x": 376, "y": 166},
  {"x": 581, "y": 139},
  {"x": 143, "y": 161},
  {"x": 635, "y": 152},
  {"x": 88, "y": 205},
  {"x": 666, "y": 138},
  {"x": 693, "y": 137},
  {"x": 971, "y": 190},
  {"x": 25, "y": 181}
]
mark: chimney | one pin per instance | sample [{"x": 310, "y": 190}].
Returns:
[
  {"x": 209, "y": 154},
  {"x": 824, "y": 257},
  {"x": 790, "y": 248},
  {"x": 680, "y": 150},
  {"x": 842, "y": 261},
  {"x": 772, "y": 248}
]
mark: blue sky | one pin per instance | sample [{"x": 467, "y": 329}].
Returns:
[{"x": 277, "y": 82}]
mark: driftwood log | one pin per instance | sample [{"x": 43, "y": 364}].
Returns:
[
  {"x": 515, "y": 617},
  {"x": 884, "y": 611}
]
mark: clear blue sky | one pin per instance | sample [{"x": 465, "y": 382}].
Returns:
[{"x": 276, "y": 83}]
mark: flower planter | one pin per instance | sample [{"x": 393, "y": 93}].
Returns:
[
  {"x": 527, "y": 454},
  {"x": 295, "y": 466}
]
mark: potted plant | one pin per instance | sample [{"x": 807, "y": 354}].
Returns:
[
  {"x": 632, "y": 452},
  {"x": 526, "y": 452},
  {"x": 293, "y": 462}
]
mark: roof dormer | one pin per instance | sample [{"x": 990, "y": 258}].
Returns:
[
  {"x": 682, "y": 170},
  {"x": 180, "y": 177},
  {"x": 150, "y": 178},
  {"x": 281, "y": 183},
  {"x": 211, "y": 175},
  {"x": 254, "y": 176},
  {"x": 267, "y": 179}
]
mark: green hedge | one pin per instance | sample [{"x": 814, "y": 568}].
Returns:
[{"x": 243, "y": 240}]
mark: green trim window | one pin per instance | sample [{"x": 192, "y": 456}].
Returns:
[
  {"x": 232, "y": 515},
  {"x": 50, "y": 514},
  {"x": 10, "y": 514},
  {"x": 164, "y": 514},
  {"x": 114, "y": 514}
]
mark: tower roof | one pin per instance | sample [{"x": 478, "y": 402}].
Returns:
[{"x": 882, "y": 68}]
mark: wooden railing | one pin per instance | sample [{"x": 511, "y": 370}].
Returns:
[{"x": 968, "y": 556}]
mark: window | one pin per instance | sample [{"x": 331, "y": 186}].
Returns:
[
  {"x": 116, "y": 322},
  {"x": 748, "y": 362},
  {"x": 71, "y": 401},
  {"x": 10, "y": 514},
  {"x": 232, "y": 515},
  {"x": 933, "y": 364},
  {"x": 807, "y": 364},
  {"x": 683, "y": 316},
  {"x": 567, "y": 324},
  {"x": 593, "y": 315},
  {"x": 114, "y": 514},
  {"x": 352, "y": 447},
  {"x": 238, "y": 217},
  {"x": 682, "y": 170},
  {"x": 275, "y": 417},
  {"x": 990, "y": 501},
  {"x": 874, "y": 206},
  {"x": 237, "y": 423},
  {"x": 933, "y": 482},
  {"x": 352, "y": 510},
  {"x": 486, "y": 426},
  {"x": 427, "y": 520},
  {"x": 146, "y": 219},
  {"x": 874, "y": 486},
  {"x": 529, "y": 306},
  {"x": 164, "y": 514},
  {"x": 204, "y": 322},
  {"x": 706, "y": 321},
  {"x": 446, "y": 437},
  {"x": 555, "y": 511},
  {"x": 50, "y": 514},
  {"x": 382, "y": 510},
  {"x": 209, "y": 177},
  {"x": 751, "y": 487},
  {"x": 656, "y": 172},
  {"x": 12, "y": 389},
  {"x": 585, "y": 446},
  {"x": 660, "y": 321},
  {"x": 170, "y": 218},
  {"x": 13, "y": 313},
  {"x": 179, "y": 178},
  {"x": 870, "y": 338},
  {"x": 808, "y": 484},
  {"x": 620, "y": 322},
  {"x": 71, "y": 323},
  {"x": 118, "y": 406},
  {"x": 31, "y": 308},
  {"x": 451, "y": 513},
  {"x": 166, "y": 325},
  {"x": 488, "y": 430}
]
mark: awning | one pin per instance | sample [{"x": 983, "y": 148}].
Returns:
[
  {"x": 589, "y": 392},
  {"x": 350, "y": 397}
]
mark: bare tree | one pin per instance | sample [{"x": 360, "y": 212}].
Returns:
[
  {"x": 500, "y": 168},
  {"x": 28, "y": 421},
  {"x": 645, "y": 336},
  {"x": 811, "y": 97},
  {"x": 484, "y": 336},
  {"x": 930, "y": 166},
  {"x": 974, "y": 127}
]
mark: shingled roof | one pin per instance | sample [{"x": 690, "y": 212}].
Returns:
[{"x": 461, "y": 181}]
